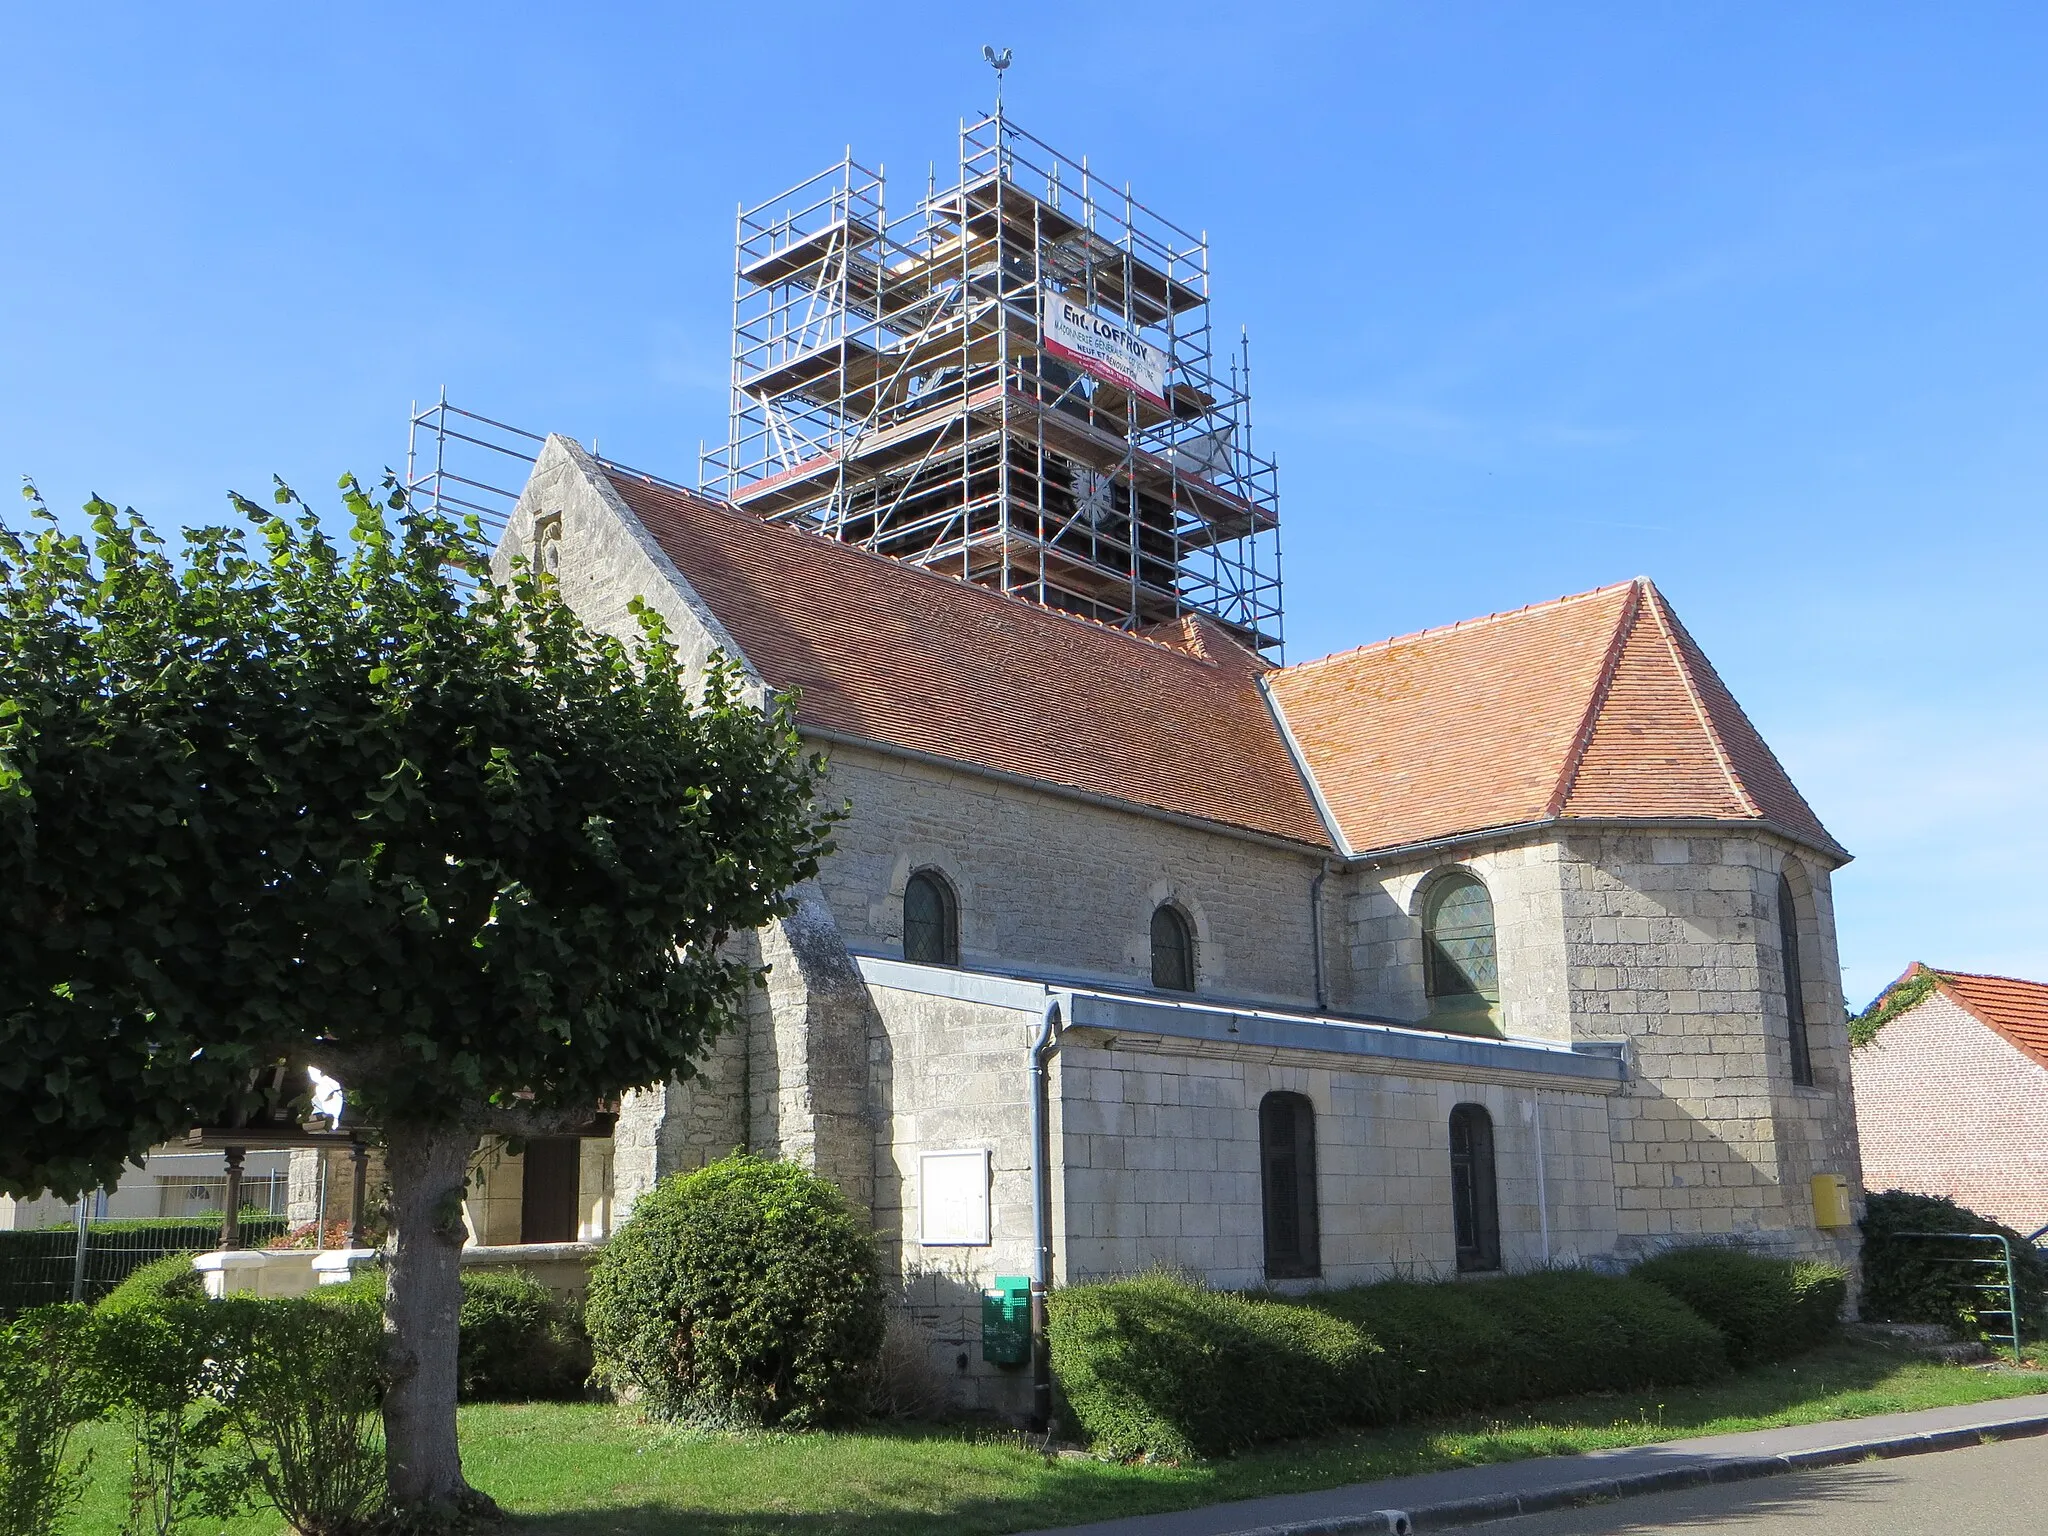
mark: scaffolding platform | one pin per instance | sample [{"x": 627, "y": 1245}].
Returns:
[{"x": 907, "y": 385}]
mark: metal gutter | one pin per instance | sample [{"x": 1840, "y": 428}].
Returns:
[{"x": 1396, "y": 852}]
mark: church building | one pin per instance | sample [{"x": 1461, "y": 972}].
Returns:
[{"x": 1503, "y": 944}]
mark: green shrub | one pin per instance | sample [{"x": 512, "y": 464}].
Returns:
[
  {"x": 1454, "y": 1346},
  {"x": 49, "y": 1384},
  {"x": 743, "y": 1293},
  {"x": 1162, "y": 1367},
  {"x": 520, "y": 1342},
  {"x": 1766, "y": 1308},
  {"x": 299, "y": 1384},
  {"x": 161, "y": 1361},
  {"x": 170, "y": 1277},
  {"x": 1913, "y": 1280}
]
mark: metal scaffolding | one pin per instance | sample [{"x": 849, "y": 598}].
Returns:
[
  {"x": 1015, "y": 384},
  {"x": 448, "y": 449}
]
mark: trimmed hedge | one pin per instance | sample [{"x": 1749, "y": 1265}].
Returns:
[
  {"x": 169, "y": 1278},
  {"x": 1454, "y": 1346},
  {"x": 745, "y": 1293},
  {"x": 1156, "y": 1366},
  {"x": 1766, "y": 1308},
  {"x": 1162, "y": 1367},
  {"x": 1913, "y": 1280}
]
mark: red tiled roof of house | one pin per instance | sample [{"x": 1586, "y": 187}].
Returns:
[
  {"x": 887, "y": 652},
  {"x": 1596, "y": 707},
  {"x": 2007, "y": 1006}
]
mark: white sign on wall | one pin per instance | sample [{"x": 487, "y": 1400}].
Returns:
[
  {"x": 952, "y": 1198},
  {"x": 1108, "y": 349}
]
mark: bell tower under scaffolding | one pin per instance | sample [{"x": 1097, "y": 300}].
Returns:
[{"x": 1016, "y": 384}]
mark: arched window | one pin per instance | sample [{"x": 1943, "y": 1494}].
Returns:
[
  {"x": 1475, "y": 1209},
  {"x": 1458, "y": 946},
  {"x": 1795, "y": 991},
  {"x": 1173, "y": 949},
  {"x": 931, "y": 920},
  {"x": 1287, "y": 1186}
]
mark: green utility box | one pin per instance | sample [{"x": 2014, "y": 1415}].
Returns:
[{"x": 1006, "y": 1321}]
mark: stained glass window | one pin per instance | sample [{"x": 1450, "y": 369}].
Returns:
[{"x": 1459, "y": 943}]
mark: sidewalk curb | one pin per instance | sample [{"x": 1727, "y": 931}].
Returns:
[{"x": 1457, "y": 1512}]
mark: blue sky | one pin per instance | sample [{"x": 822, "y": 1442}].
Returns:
[{"x": 1749, "y": 299}]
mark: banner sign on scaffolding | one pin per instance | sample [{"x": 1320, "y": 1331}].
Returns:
[{"x": 1108, "y": 349}]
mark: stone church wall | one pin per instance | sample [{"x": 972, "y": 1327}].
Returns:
[
  {"x": 1160, "y": 1166},
  {"x": 1522, "y": 878},
  {"x": 1050, "y": 884},
  {"x": 1672, "y": 943},
  {"x": 952, "y": 1075}
]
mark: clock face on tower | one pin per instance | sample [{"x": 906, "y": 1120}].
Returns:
[{"x": 1094, "y": 495}]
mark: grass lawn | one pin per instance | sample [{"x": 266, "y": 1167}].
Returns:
[{"x": 592, "y": 1470}]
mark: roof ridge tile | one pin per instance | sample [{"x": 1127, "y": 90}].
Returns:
[
  {"x": 1596, "y": 700},
  {"x": 1544, "y": 606},
  {"x": 1667, "y": 621}
]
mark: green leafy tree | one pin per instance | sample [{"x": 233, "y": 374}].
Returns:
[
  {"x": 134, "y": 819},
  {"x": 468, "y": 857}
]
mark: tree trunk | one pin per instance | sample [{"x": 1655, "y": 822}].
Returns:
[{"x": 422, "y": 1308}]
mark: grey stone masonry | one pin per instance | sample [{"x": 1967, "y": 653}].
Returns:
[{"x": 1643, "y": 1094}]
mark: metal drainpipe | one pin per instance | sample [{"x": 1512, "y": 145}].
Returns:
[
  {"x": 1041, "y": 1214},
  {"x": 1315, "y": 919}
]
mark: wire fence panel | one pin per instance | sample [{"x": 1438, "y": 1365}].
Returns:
[{"x": 38, "y": 1268}]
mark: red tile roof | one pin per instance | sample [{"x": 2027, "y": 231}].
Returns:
[
  {"x": 1598, "y": 706},
  {"x": 1592, "y": 707},
  {"x": 890, "y": 653},
  {"x": 2007, "y": 1006}
]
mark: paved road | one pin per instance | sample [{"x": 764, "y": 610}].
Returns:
[{"x": 1992, "y": 1490}]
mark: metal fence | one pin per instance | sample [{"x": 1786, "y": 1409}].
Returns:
[{"x": 84, "y": 1263}]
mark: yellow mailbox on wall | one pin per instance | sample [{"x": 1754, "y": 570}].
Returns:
[{"x": 1831, "y": 1201}]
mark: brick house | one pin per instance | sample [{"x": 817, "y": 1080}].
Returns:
[{"x": 1952, "y": 1093}]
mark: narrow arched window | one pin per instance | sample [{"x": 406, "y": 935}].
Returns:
[
  {"x": 1458, "y": 946},
  {"x": 1173, "y": 949},
  {"x": 1795, "y": 990},
  {"x": 1475, "y": 1208},
  {"x": 1287, "y": 1186},
  {"x": 931, "y": 920}
]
